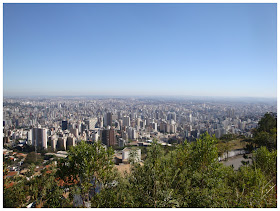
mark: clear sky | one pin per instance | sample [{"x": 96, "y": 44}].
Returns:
[{"x": 140, "y": 49}]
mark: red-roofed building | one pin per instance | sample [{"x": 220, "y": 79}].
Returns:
[
  {"x": 66, "y": 182},
  {"x": 21, "y": 155},
  {"x": 11, "y": 174},
  {"x": 9, "y": 185},
  {"x": 48, "y": 172}
]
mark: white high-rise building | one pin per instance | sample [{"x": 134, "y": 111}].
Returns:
[
  {"x": 154, "y": 126},
  {"x": 53, "y": 142},
  {"x": 95, "y": 136},
  {"x": 91, "y": 123},
  {"x": 138, "y": 122}
]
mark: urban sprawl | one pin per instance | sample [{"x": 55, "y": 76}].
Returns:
[{"x": 58, "y": 123}]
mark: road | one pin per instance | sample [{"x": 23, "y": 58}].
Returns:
[{"x": 236, "y": 161}]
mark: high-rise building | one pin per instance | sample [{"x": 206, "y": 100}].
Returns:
[
  {"x": 117, "y": 125},
  {"x": 121, "y": 142},
  {"x": 64, "y": 125},
  {"x": 108, "y": 137},
  {"x": 190, "y": 117},
  {"x": 71, "y": 141},
  {"x": 75, "y": 132},
  {"x": 230, "y": 112},
  {"x": 61, "y": 143},
  {"x": 39, "y": 138},
  {"x": 138, "y": 122},
  {"x": 114, "y": 117},
  {"x": 131, "y": 133},
  {"x": 171, "y": 115},
  {"x": 163, "y": 127},
  {"x": 154, "y": 126},
  {"x": 100, "y": 122},
  {"x": 29, "y": 137},
  {"x": 126, "y": 121},
  {"x": 124, "y": 135},
  {"x": 91, "y": 123},
  {"x": 53, "y": 142},
  {"x": 84, "y": 127},
  {"x": 95, "y": 135},
  {"x": 109, "y": 119}
]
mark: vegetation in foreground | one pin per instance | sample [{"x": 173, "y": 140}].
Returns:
[{"x": 188, "y": 176}]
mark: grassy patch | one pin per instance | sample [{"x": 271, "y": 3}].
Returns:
[{"x": 224, "y": 145}]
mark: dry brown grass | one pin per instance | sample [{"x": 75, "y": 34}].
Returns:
[
  {"x": 231, "y": 145},
  {"x": 123, "y": 168}
]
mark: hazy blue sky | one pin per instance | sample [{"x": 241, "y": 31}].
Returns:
[{"x": 140, "y": 49}]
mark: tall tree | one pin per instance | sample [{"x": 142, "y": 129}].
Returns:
[
  {"x": 89, "y": 166},
  {"x": 266, "y": 132}
]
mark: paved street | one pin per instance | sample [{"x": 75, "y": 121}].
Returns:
[{"x": 236, "y": 161}]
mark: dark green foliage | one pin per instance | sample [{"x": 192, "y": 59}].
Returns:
[
  {"x": 228, "y": 137},
  {"x": 87, "y": 165},
  {"x": 14, "y": 196},
  {"x": 266, "y": 132},
  {"x": 253, "y": 189},
  {"x": 43, "y": 190},
  {"x": 266, "y": 139},
  {"x": 266, "y": 161},
  {"x": 191, "y": 176},
  {"x": 267, "y": 123},
  {"x": 32, "y": 158},
  {"x": 117, "y": 148},
  {"x": 188, "y": 175}
]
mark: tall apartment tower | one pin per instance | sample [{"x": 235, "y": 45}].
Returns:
[
  {"x": 171, "y": 115},
  {"x": 126, "y": 121},
  {"x": 61, "y": 143},
  {"x": 108, "y": 137},
  {"x": 29, "y": 136},
  {"x": 64, "y": 125},
  {"x": 91, "y": 123},
  {"x": 39, "y": 138},
  {"x": 109, "y": 119}
]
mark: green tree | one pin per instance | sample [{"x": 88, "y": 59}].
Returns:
[
  {"x": 266, "y": 132},
  {"x": 15, "y": 196},
  {"x": 267, "y": 123},
  {"x": 266, "y": 161},
  {"x": 251, "y": 188},
  {"x": 31, "y": 170},
  {"x": 189, "y": 175},
  {"x": 34, "y": 158},
  {"x": 88, "y": 165}
]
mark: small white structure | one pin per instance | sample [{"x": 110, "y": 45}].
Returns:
[{"x": 127, "y": 152}]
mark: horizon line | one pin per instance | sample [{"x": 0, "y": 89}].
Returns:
[{"x": 148, "y": 96}]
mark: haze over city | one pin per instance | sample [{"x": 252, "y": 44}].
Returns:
[{"x": 224, "y": 50}]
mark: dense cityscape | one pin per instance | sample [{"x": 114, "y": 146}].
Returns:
[
  {"x": 120, "y": 121},
  {"x": 39, "y": 132}
]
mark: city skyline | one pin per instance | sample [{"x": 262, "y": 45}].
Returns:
[{"x": 217, "y": 50}]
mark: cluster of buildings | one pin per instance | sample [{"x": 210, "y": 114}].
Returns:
[{"x": 57, "y": 123}]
